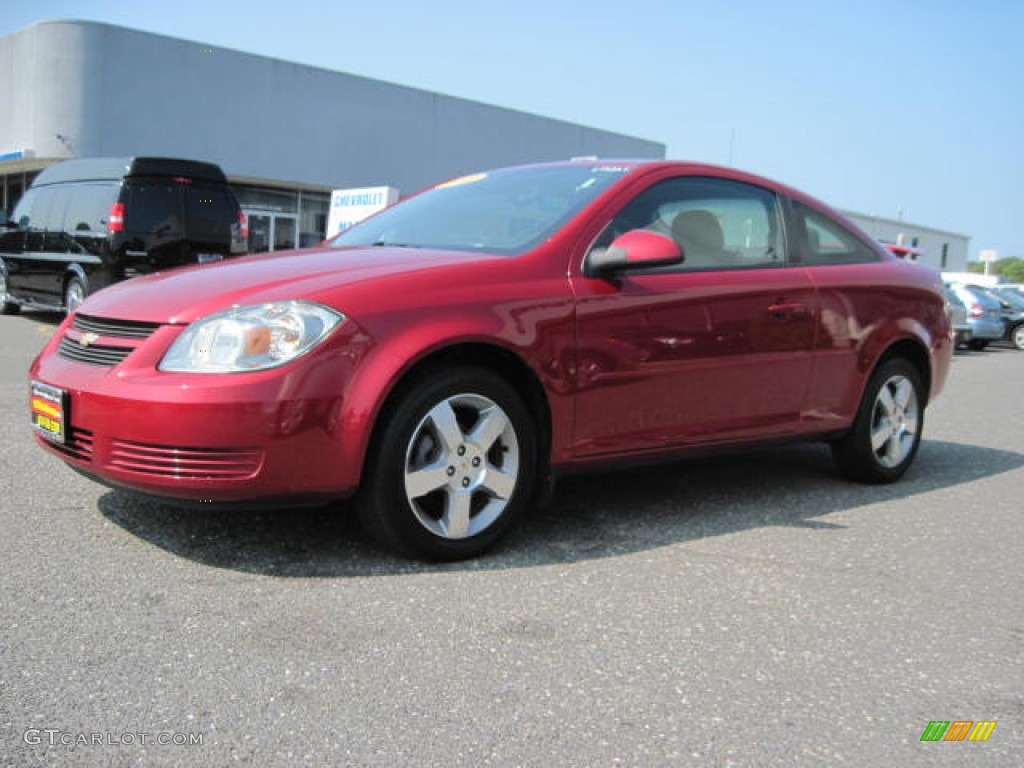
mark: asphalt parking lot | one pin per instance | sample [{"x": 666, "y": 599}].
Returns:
[{"x": 749, "y": 611}]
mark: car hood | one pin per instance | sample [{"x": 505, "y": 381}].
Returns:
[{"x": 186, "y": 294}]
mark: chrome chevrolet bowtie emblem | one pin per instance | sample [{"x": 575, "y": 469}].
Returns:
[{"x": 87, "y": 338}]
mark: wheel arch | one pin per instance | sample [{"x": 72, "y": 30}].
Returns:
[
  {"x": 914, "y": 352},
  {"x": 482, "y": 354},
  {"x": 73, "y": 270}
]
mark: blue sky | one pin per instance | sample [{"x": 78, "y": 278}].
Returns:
[{"x": 885, "y": 107}]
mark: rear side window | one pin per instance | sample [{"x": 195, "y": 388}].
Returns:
[
  {"x": 821, "y": 240},
  {"x": 89, "y": 207},
  {"x": 152, "y": 207},
  {"x": 210, "y": 211}
]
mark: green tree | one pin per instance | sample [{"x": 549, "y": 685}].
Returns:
[
  {"x": 1014, "y": 273},
  {"x": 1010, "y": 269}
]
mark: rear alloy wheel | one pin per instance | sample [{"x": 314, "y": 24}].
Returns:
[
  {"x": 1017, "y": 336},
  {"x": 886, "y": 434},
  {"x": 452, "y": 468},
  {"x": 74, "y": 294}
]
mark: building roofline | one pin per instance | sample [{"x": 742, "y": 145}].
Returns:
[
  {"x": 903, "y": 223},
  {"x": 326, "y": 70}
]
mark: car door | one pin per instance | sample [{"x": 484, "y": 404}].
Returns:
[
  {"x": 86, "y": 219},
  {"x": 716, "y": 349},
  {"x": 154, "y": 234},
  {"x": 856, "y": 287},
  {"x": 46, "y": 252},
  {"x": 210, "y": 214},
  {"x": 13, "y": 243}
]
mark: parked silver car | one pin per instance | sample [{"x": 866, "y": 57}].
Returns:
[
  {"x": 984, "y": 314},
  {"x": 957, "y": 313}
]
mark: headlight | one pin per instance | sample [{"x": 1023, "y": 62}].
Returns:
[{"x": 250, "y": 338}]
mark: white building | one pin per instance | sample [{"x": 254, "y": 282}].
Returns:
[{"x": 946, "y": 251}]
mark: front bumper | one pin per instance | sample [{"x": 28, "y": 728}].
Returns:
[{"x": 268, "y": 435}]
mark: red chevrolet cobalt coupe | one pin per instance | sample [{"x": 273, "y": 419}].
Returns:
[{"x": 443, "y": 360}]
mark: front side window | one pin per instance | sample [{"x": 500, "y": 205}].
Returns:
[
  {"x": 505, "y": 212},
  {"x": 42, "y": 209},
  {"x": 717, "y": 223},
  {"x": 24, "y": 214}
]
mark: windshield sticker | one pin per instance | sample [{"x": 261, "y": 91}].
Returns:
[{"x": 462, "y": 180}]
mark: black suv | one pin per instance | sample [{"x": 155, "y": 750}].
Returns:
[{"x": 87, "y": 223}]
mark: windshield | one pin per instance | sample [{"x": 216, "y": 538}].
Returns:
[
  {"x": 1011, "y": 297},
  {"x": 504, "y": 212}
]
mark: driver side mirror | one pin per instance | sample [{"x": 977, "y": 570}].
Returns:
[{"x": 636, "y": 249}]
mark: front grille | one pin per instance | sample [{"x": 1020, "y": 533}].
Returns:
[
  {"x": 79, "y": 343},
  {"x": 78, "y": 444},
  {"x": 125, "y": 329},
  {"x": 94, "y": 354},
  {"x": 191, "y": 463}
]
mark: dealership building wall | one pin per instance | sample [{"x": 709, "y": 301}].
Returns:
[
  {"x": 285, "y": 133},
  {"x": 946, "y": 251}
]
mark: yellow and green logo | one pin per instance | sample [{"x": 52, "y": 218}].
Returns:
[{"x": 958, "y": 730}]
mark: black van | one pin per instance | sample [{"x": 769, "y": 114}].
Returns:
[{"x": 87, "y": 223}]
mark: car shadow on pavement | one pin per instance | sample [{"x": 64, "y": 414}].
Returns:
[
  {"x": 41, "y": 317},
  {"x": 591, "y": 516}
]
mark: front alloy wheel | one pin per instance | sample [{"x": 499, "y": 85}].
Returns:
[
  {"x": 886, "y": 433},
  {"x": 452, "y": 467},
  {"x": 461, "y": 466}
]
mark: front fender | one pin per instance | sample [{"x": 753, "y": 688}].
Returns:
[{"x": 396, "y": 353}]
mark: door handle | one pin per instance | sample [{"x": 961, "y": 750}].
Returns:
[{"x": 785, "y": 310}]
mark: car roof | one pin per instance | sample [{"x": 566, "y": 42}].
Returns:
[
  {"x": 116, "y": 168},
  {"x": 978, "y": 291},
  {"x": 645, "y": 166}
]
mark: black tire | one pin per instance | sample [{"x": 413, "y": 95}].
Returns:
[
  {"x": 977, "y": 344},
  {"x": 7, "y": 307},
  {"x": 75, "y": 290},
  {"x": 437, "y": 485},
  {"x": 885, "y": 436}
]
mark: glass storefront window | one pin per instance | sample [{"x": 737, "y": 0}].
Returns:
[
  {"x": 313, "y": 218},
  {"x": 12, "y": 187},
  {"x": 281, "y": 200},
  {"x": 267, "y": 204}
]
